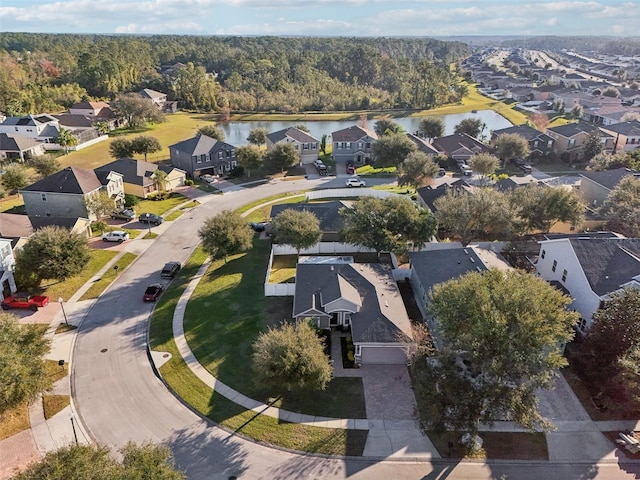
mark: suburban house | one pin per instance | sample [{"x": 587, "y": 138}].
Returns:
[
  {"x": 306, "y": 145},
  {"x": 353, "y": 144},
  {"x": 423, "y": 146},
  {"x": 426, "y": 196},
  {"x": 626, "y": 134},
  {"x": 590, "y": 267},
  {"x": 138, "y": 176},
  {"x": 82, "y": 127},
  {"x": 98, "y": 111},
  {"x": 326, "y": 212},
  {"x": 362, "y": 298},
  {"x": 595, "y": 187},
  {"x": 445, "y": 262},
  {"x": 18, "y": 228},
  {"x": 460, "y": 146},
  {"x": 17, "y": 147},
  {"x": 7, "y": 265},
  {"x": 159, "y": 99},
  {"x": 540, "y": 144},
  {"x": 43, "y": 128},
  {"x": 513, "y": 182},
  {"x": 203, "y": 155},
  {"x": 569, "y": 139},
  {"x": 64, "y": 194}
]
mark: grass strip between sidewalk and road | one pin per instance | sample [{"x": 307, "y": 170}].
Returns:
[
  {"x": 52, "y": 404},
  {"x": 109, "y": 276},
  {"x": 221, "y": 410}
]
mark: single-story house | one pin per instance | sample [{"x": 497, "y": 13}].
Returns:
[
  {"x": 18, "y": 147},
  {"x": 540, "y": 144},
  {"x": 460, "y": 146},
  {"x": 361, "y": 297},
  {"x": 139, "y": 178},
  {"x": 591, "y": 266},
  {"x": 327, "y": 213},
  {"x": 595, "y": 187}
]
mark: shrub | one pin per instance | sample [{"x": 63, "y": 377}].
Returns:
[
  {"x": 237, "y": 171},
  {"x": 131, "y": 200},
  {"x": 189, "y": 183}
]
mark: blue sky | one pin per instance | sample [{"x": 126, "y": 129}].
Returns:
[{"x": 324, "y": 17}]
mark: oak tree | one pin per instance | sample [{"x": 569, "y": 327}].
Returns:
[
  {"x": 249, "y": 157},
  {"x": 416, "y": 170},
  {"x": 298, "y": 228},
  {"x": 391, "y": 150},
  {"x": 225, "y": 234}
]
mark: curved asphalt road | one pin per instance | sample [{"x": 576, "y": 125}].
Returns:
[{"x": 119, "y": 398}]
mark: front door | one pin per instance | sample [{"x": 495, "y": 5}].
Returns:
[{"x": 333, "y": 322}]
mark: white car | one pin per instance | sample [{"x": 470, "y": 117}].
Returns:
[
  {"x": 115, "y": 236},
  {"x": 208, "y": 178},
  {"x": 355, "y": 182}
]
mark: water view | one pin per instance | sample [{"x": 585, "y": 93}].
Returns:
[{"x": 236, "y": 132}]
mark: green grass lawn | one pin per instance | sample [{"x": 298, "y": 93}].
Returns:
[
  {"x": 52, "y": 404},
  {"x": 159, "y": 207},
  {"x": 109, "y": 276},
  {"x": 283, "y": 268},
  {"x": 55, "y": 289},
  {"x": 225, "y": 412}
]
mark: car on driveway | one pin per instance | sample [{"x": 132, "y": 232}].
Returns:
[
  {"x": 23, "y": 300},
  {"x": 170, "y": 269},
  {"x": 124, "y": 214},
  {"x": 152, "y": 292},
  {"x": 355, "y": 182},
  {"x": 115, "y": 236},
  {"x": 151, "y": 218},
  {"x": 350, "y": 168},
  {"x": 258, "y": 226}
]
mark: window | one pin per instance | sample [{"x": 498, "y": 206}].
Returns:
[
  {"x": 582, "y": 324},
  {"x": 564, "y": 275},
  {"x": 228, "y": 153},
  {"x": 572, "y": 142},
  {"x": 368, "y": 145},
  {"x": 543, "y": 254},
  {"x": 220, "y": 155},
  {"x": 555, "y": 264},
  {"x": 359, "y": 145},
  {"x": 535, "y": 144},
  {"x": 550, "y": 143},
  {"x": 44, "y": 197},
  {"x": 358, "y": 352}
]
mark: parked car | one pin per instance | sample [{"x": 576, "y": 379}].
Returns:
[
  {"x": 24, "y": 300},
  {"x": 170, "y": 269},
  {"x": 152, "y": 292},
  {"x": 258, "y": 226},
  {"x": 151, "y": 218},
  {"x": 442, "y": 172},
  {"x": 466, "y": 170},
  {"x": 525, "y": 168},
  {"x": 208, "y": 178},
  {"x": 124, "y": 214},
  {"x": 350, "y": 168},
  {"x": 115, "y": 236},
  {"x": 355, "y": 182},
  {"x": 318, "y": 163}
]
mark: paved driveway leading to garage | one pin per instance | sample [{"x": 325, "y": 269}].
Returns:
[{"x": 388, "y": 393}]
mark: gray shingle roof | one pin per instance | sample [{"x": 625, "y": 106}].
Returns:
[
  {"x": 608, "y": 263},
  {"x": 571, "y": 129},
  {"x": 438, "y": 266},
  {"x": 609, "y": 178},
  {"x": 291, "y": 132},
  {"x": 327, "y": 213},
  {"x": 524, "y": 130},
  {"x": 200, "y": 145},
  {"x": 456, "y": 141},
  {"x": 630, "y": 129},
  {"x": 134, "y": 172},
  {"x": 382, "y": 317},
  {"x": 69, "y": 180},
  {"x": 16, "y": 143}
]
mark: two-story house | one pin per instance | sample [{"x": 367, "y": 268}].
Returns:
[
  {"x": 353, "y": 144},
  {"x": 626, "y": 135},
  {"x": 139, "y": 177},
  {"x": 590, "y": 267},
  {"x": 7, "y": 265},
  {"x": 595, "y": 187},
  {"x": 65, "y": 193},
  {"x": 570, "y": 138},
  {"x": 305, "y": 144},
  {"x": 203, "y": 155},
  {"x": 423, "y": 145},
  {"x": 540, "y": 144}
]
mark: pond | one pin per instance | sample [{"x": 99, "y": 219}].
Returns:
[{"x": 236, "y": 132}]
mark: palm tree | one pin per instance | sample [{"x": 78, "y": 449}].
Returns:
[
  {"x": 160, "y": 177},
  {"x": 66, "y": 139}
]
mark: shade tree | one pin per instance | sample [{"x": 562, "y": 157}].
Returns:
[
  {"x": 416, "y": 170},
  {"x": 281, "y": 157},
  {"x": 511, "y": 145},
  {"x": 622, "y": 207},
  {"x": 225, "y": 234},
  {"x": 212, "y": 131},
  {"x": 250, "y": 157},
  {"x": 391, "y": 150},
  {"x": 298, "y": 228},
  {"x": 471, "y": 126},
  {"x": 431, "y": 127}
]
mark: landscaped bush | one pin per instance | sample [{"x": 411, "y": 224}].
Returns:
[
  {"x": 237, "y": 171},
  {"x": 189, "y": 183},
  {"x": 130, "y": 200}
]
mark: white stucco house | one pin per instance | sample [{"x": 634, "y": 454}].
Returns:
[{"x": 590, "y": 267}]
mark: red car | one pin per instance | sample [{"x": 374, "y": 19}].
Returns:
[
  {"x": 152, "y": 292},
  {"x": 25, "y": 301},
  {"x": 350, "y": 169}
]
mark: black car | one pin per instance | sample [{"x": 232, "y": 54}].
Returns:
[
  {"x": 170, "y": 269},
  {"x": 258, "y": 226},
  {"x": 151, "y": 218}
]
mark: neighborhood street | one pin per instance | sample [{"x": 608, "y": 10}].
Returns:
[{"x": 119, "y": 398}]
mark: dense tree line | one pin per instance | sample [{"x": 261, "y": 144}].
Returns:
[{"x": 47, "y": 72}]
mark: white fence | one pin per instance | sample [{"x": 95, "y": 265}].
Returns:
[
  {"x": 349, "y": 193},
  {"x": 323, "y": 248}
]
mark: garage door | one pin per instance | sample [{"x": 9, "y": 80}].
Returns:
[{"x": 371, "y": 355}]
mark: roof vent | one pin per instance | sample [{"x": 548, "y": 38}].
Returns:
[
  {"x": 386, "y": 304},
  {"x": 332, "y": 268},
  {"x": 472, "y": 260},
  {"x": 466, "y": 252},
  {"x": 478, "y": 269}
]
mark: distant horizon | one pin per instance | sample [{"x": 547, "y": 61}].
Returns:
[{"x": 326, "y": 18}]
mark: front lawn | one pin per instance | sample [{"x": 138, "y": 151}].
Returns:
[
  {"x": 109, "y": 276},
  {"x": 158, "y": 207},
  {"x": 283, "y": 268},
  {"x": 225, "y": 412},
  {"x": 56, "y": 289},
  {"x": 496, "y": 445}
]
